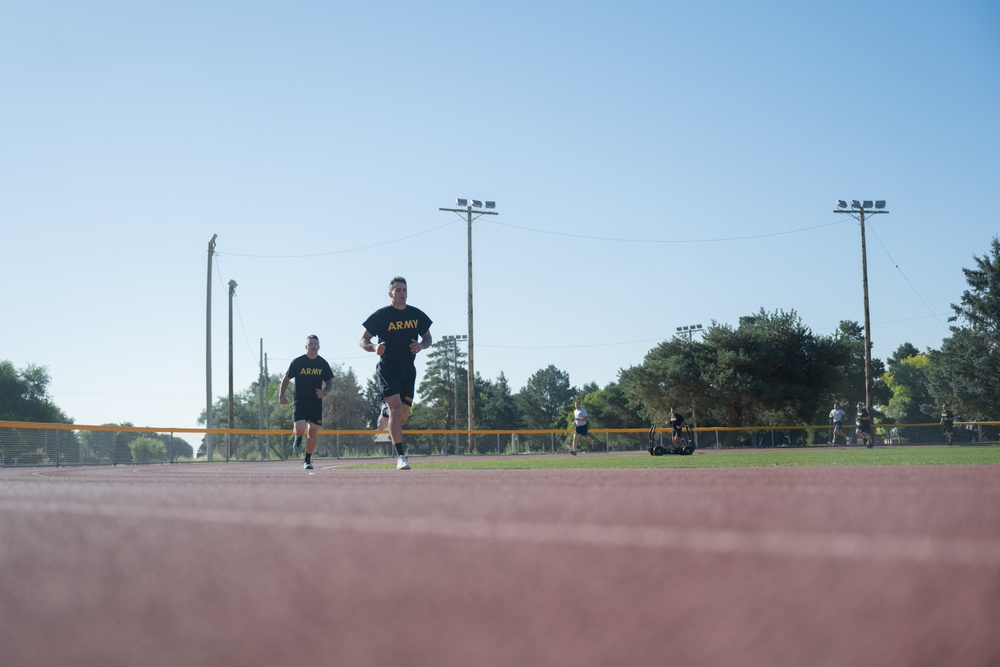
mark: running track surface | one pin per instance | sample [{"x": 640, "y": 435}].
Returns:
[{"x": 264, "y": 564}]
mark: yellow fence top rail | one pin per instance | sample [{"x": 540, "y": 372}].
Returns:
[{"x": 242, "y": 431}]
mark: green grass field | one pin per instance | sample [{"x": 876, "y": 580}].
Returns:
[{"x": 881, "y": 456}]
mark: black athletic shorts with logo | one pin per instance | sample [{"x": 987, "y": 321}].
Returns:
[{"x": 397, "y": 379}]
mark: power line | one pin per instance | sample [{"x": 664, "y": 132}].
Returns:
[
  {"x": 341, "y": 252},
  {"x": 537, "y": 231},
  {"x": 564, "y": 347},
  {"x": 891, "y": 259},
  {"x": 239, "y": 315},
  {"x": 621, "y": 240}
]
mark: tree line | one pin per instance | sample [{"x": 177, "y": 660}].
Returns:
[{"x": 769, "y": 369}]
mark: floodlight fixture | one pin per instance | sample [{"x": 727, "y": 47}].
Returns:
[
  {"x": 868, "y": 203},
  {"x": 476, "y": 203},
  {"x": 462, "y": 202},
  {"x": 841, "y": 203},
  {"x": 491, "y": 204},
  {"x": 856, "y": 204},
  {"x": 879, "y": 203}
]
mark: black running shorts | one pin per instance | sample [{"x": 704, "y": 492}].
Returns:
[
  {"x": 310, "y": 410},
  {"x": 395, "y": 379}
]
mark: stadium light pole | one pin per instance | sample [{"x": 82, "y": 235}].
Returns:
[
  {"x": 690, "y": 330},
  {"x": 467, "y": 208},
  {"x": 451, "y": 347},
  {"x": 208, "y": 352},
  {"x": 260, "y": 401},
  {"x": 858, "y": 209},
  {"x": 229, "y": 436}
]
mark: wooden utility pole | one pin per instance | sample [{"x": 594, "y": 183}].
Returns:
[
  {"x": 869, "y": 381},
  {"x": 860, "y": 208},
  {"x": 469, "y": 205},
  {"x": 208, "y": 352},
  {"x": 229, "y": 436}
]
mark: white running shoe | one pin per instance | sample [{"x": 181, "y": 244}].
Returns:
[{"x": 402, "y": 463}]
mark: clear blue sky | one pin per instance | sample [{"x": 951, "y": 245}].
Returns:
[{"x": 654, "y": 164}]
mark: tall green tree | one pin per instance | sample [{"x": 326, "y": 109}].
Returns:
[
  {"x": 770, "y": 369},
  {"x": 147, "y": 450},
  {"x": 24, "y": 395},
  {"x": 848, "y": 383},
  {"x": 911, "y": 401},
  {"x": 965, "y": 372},
  {"x": 444, "y": 387},
  {"x": 545, "y": 398},
  {"x": 345, "y": 407},
  {"x": 373, "y": 401},
  {"x": 607, "y": 408},
  {"x": 904, "y": 351},
  {"x": 674, "y": 373},
  {"x": 497, "y": 407}
]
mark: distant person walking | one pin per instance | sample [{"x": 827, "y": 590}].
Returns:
[
  {"x": 864, "y": 431},
  {"x": 313, "y": 380},
  {"x": 947, "y": 424},
  {"x": 837, "y": 417},
  {"x": 398, "y": 326},
  {"x": 581, "y": 428}
]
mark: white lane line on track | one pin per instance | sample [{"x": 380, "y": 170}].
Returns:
[{"x": 724, "y": 541}]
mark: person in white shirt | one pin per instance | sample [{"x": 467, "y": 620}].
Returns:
[
  {"x": 837, "y": 417},
  {"x": 580, "y": 428}
]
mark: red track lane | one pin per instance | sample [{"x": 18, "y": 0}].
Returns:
[{"x": 265, "y": 564}]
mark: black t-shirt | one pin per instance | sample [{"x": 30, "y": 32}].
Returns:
[
  {"x": 397, "y": 328},
  {"x": 676, "y": 420},
  {"x": 309, "y": 375},
  {"x": 947, "y": 418}
]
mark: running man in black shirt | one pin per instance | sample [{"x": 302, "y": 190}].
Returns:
[
  {"x": 864, "y": 430},
  {"x": 313, "y": 380},
  {"x": 947, "y": 424},
  {"x": 677, "y": 422},
  {"x": 398, "y": 327}
]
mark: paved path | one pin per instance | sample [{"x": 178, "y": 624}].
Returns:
[{"x": 264, "y": 564}]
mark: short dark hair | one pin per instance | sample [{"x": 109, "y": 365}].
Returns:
[
  {"x": 397, "y": 279},
  {"x": 312, "y": 337}
]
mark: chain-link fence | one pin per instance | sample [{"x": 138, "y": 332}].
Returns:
[{"x": 31, "y": 444}]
